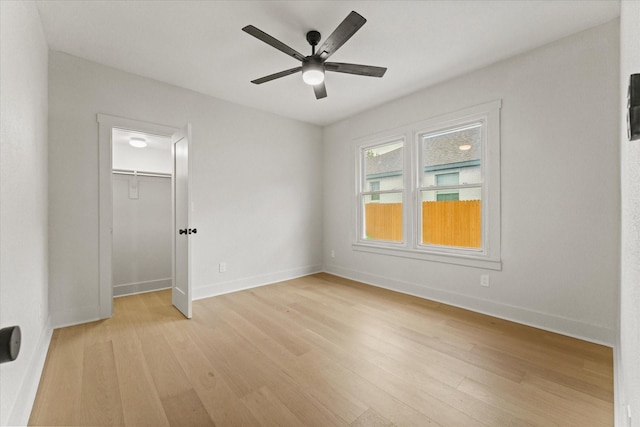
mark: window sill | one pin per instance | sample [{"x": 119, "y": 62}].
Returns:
[{"x": 468, "y": 261}]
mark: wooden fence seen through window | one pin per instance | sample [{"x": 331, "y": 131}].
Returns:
[{"x": 448, "y": 223}]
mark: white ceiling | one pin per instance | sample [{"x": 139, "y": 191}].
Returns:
[
  {"x": 155, "y": 157},
  {"x": 199, "y": 45},
  {"x": 121, "y": 138}
]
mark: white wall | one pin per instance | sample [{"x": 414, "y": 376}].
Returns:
[
  {"x": 23, "y": 193},
  {"x": 560, "y": 189},
  {"x": 627, "y": 361},
  {"x": 141, "y": 259},
  {"x": 256, "y": 188}
]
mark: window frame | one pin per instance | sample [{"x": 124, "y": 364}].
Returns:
[{"x": 489, "y": 256}]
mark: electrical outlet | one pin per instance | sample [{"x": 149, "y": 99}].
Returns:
[
  {"x": 484, "y": 280},
  {"x": 222, "y": 267},
  {"x": 333, "y": 253}
]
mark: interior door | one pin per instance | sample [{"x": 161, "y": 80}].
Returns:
[{"x": 182, "y": 231}]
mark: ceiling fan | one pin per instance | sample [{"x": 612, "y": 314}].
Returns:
[{"x": 314, "y": 66}]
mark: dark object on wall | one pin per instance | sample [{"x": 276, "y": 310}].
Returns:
[
  {"x": 633, "y": 116},
  {"x": 9, "y": 343}
]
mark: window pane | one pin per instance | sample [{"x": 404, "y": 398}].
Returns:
[
  {"x": 453, "y": 151},
  {"x": 447, "y": 195},
  {"x": 383, "y": 218},
  {"x": 374, "y": 186},
  {"x": 383, "y": 164},
  {"x": 451, "y": 178},
  {"x": 452, "y": 222}
]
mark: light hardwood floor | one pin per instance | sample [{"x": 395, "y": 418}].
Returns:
[{"x": 318, "y": 351}]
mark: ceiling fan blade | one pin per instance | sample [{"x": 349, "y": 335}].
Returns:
[
  {"x": 276, "y": 75},
  {"x": 261, "y": 35},
  {"x": 320, "y": 91},
  {"x": 340, "y": 35},
  {"x": 361, "y": 70}
]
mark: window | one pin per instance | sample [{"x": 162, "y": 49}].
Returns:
[
  {"x": 381, "y": 202},
  {"x": 431, "y": 190},
  {"x": 450, "y": 211}
]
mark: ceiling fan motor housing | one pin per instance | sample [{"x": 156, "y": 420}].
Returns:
[{"x": 313, "y": 37}]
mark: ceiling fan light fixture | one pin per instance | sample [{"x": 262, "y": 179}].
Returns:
[
  {"x": 313, "y": 77},
  {"x": 312, "y": 71}
]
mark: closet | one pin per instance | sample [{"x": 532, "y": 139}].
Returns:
[{"x": 141, "y": 191}]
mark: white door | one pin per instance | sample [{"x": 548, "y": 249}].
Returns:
[{"x": 182, "y": 231}]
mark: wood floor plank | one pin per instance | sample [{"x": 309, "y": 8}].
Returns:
[
  {"x": 242, "y": 304},
  {"x": 221, "y": 346},
  {"x": 63, "y": 385},
  {"x": 100, "y": 402},
  {"x": 533, "y": 404},
  {"x": 246, "y": 358},
  {"x": 388, "y": 340},
  {"x": 371, "y": 419},
  {"x": 141, "y": 404},
  {"x": 45, "y": 379},
  {"x": 571, "y": 400},
  {"x": 267, "y": 408},
  {"x": 574, "y": 377},
  {"x": 391, "y": 408},
  {"x": 186, "y": 409},
  {"x": 318, "y": 351},
  {"x": 222, "y": 405},
  {"x": 168, "y": 376},
  {"x": 344, "y": 406},
  {"x": 602, "y": 368},
  {"x": 520, "y": 408},
  {"x": 377, "y": 372},
  {"x": 244, "y": 354}
]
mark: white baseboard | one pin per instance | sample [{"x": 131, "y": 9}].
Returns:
[
  {"x": 552, "y": 323},
  {"x": 253, "y": 282},
  {"x": 141, "y": 287},
  {"x": 26, "y": 396},
  {"x": 75, "y": 316}
]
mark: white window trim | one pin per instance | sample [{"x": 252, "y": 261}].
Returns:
[{"x": 489, "y": 256}]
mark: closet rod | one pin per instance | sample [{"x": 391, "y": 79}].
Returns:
[{"x": 141, "y": 173}]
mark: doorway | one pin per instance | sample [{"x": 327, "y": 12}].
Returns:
[
  {"x": 141, "y": 212},
  {"x": 110, "y": 129}
]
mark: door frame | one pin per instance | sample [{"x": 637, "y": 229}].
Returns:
[{"x": 106, "y": 124}]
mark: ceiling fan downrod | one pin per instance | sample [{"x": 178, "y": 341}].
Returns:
[{"x": 313, "y": 37}]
